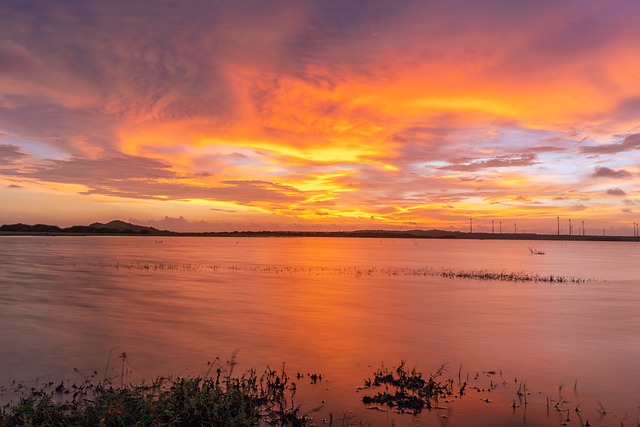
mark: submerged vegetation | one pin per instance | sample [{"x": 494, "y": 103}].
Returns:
[
  {"x": 407, "y": 391},
  {"x": 216, "y": 400},
  {"x": 354, "y": 271}
]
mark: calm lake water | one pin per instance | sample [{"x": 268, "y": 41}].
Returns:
[{"x": 339, "y": 307}]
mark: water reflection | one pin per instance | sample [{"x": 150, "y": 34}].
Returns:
[{"x": 60, "y": 310}]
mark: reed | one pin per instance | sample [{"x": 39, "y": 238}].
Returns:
[
  {"x": 350, "y": 271},
  {"x": 407, "y": 391}
]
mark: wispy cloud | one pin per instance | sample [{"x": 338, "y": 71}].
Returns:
[
  {"x": 223, "y": 210},
  {"x": 631, "y": 142},
  {"x": 504, "y": 161},
  {"x": 10, "y": 159}
]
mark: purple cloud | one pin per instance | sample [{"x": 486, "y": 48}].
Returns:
[
  {"x": 10, "y": 154},
  {"x": 504, "y": 161},
  {"x": 10, "y": 159},
  {"x": 631, "y": 142},
  {"x": 17, "y": 61},
  {"x": 605, "y": 172},
  {"x": 145, "y": 178},
  {"x": 616, "y": 192},
  {"x": 103, "y": 170}
]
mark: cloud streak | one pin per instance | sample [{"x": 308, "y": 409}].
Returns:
[
  {"x": 629, "y": 143},
  {"x": 504, "y": 161}
]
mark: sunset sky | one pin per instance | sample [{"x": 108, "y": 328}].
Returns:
[{"x": 321, "y": 115}]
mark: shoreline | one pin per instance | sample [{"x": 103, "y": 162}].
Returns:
[{"x": 366, "y": 234}]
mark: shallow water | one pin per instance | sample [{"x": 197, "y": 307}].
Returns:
[{"x": 340, "y": 307}]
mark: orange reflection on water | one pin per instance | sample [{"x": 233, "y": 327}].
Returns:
[{"x": 340, "y": 307}]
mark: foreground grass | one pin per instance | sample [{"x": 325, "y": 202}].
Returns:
[{"x": 217, "y": 400}]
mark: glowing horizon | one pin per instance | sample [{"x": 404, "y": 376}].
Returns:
[{"x": 286, "y": 115}]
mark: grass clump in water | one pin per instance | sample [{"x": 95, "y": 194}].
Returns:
[
  {"x": 220, "y": 400},
  {"x": 353, "y": 271},
  {"x": 407, "y": 391}
]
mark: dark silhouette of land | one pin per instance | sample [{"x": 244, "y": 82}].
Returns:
[{"x": 118, "y": 228}]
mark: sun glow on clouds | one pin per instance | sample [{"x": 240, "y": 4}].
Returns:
[{"x": 333, "y": 116}]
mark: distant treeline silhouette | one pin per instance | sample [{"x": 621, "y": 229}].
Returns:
[{"x": 79, "y": 229}]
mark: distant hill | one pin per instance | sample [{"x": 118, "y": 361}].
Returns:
[
  {"x": 125, "y": 227},
  {"x": 24, "y": 228},
  {"x": 112, "y": 227}
]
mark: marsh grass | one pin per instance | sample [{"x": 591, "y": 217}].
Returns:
[
  {"x": 407, "y": 391},
  {"x": 352, "y": 271},
  {"x": 220, "y": 399}
]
